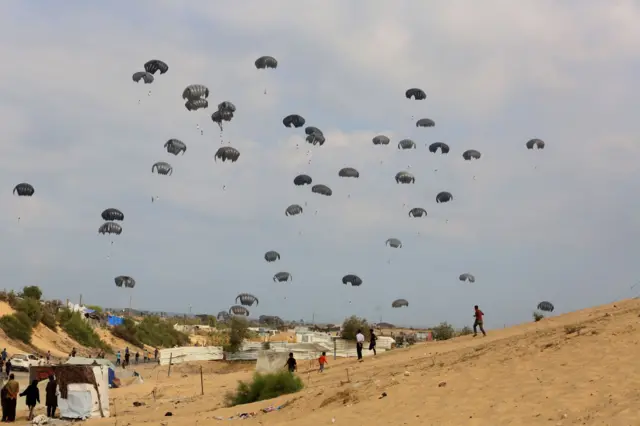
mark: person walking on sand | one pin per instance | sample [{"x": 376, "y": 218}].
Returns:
[
  {"x": 4, "y": 354},
  {"x": 322, "y": 361},
  {"x": 8, "y": 366},
  {"x": 51, "y": 398},
  {"x": 32, "y": 394},
  {"x": 479, "y": 321},
  {"x": 372, "y": 341},
  {"x": 359, "y": 344},
  {"x": 12, "y": 388},
  {"x": 137, "y": 357},
  {"x": 155, "y": 354},
  {"x": 291, "y": 364}
]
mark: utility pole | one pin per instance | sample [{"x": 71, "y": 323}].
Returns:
[{"x": 80, "y": 300}]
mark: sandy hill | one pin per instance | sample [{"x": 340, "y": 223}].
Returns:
[
  {"x": 59, "y": 343},
  {"x": 579, "y": 368}
]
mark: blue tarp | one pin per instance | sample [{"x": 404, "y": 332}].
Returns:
[
  {"x": 112, "y": 375},
  {"x": 113, "y": 320}
]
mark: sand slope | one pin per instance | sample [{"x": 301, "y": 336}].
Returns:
[{"x": 579, "y": 368}]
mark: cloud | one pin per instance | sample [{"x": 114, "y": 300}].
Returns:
[{"x": 555, "y": 224}]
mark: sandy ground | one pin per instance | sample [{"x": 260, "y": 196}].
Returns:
[{"x": 578, "y": 368}]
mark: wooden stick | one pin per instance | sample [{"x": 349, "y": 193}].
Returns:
[{"x": 201, "y": 382}]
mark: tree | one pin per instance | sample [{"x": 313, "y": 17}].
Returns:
[
  {"x": 32, "y": 292},
  {"x": 238, "y": 331},
  {"x": 32, "y": 308},
  {"x": 351, "y": 325},
  {"x": 465, "y": 331},
  {"x": 443, "y": 331}
]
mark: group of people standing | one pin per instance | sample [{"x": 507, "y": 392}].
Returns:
[
  {"x": 360, "y": 343},
  {"x": 127, "y": 357},
  {"x": 11, "y": 391}
]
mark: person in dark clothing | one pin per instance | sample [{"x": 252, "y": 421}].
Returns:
[
  {"x": 155, "y": 354},
  {"x": 51, "y": 397},
  {"x": 372, "y": 341},
  {"x": 73, "y": 353},
  {"x": 11, "y": 390},
  {"x": 126, "y": 356},
  {"x": 291, "y": 363},
  {"x": 3, "y": 399},
  {"x": 7, "y": 366},
  {"x": 479, "y": 321},
  {"x": 137, "y": 357},
  {"x": 32, "y": 394}
]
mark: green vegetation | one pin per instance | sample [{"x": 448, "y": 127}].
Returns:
[
  {"x": 150, "y": 331},
  {"x": 465, "y": 331},
  {"x": 32, "y": 292},
  {"x": 32, "y": 308},
  {"x": 537, "y": 316},
  {"x": 264, "y": 386},
  {"x": 80, "y": 330},
  {"x": 17, "y": 326},
  {"x": 443, "y": 331},
  {"x": 238, "y": 331},
  {"x": 351, "y": 325},
  {"x": 96, "y": 308}
]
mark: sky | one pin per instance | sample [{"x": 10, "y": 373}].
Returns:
[{"x": 558, "y": 224}]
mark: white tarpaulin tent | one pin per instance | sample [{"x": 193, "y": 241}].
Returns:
[{"x": 83, "y": 401}]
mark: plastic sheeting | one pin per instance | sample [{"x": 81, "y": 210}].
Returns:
[{"x": 190, "y": 354}]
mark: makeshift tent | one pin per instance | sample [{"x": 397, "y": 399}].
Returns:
[
  {"x": 78, "y": 360},
  {"x": 83, "y": 390}
]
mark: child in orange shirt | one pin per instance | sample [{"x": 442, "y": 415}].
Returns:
[{"x": 322, "y": 360}]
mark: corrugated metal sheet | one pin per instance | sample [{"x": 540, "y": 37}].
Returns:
[{"x": 190, "y": 354}]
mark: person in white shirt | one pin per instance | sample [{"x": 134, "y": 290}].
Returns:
[{"x": 359, "y": 344}]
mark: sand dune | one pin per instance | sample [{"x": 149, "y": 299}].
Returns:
[{"x": 578, "y": 368}]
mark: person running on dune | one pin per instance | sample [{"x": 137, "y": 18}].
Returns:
[{"x": 479, "y": 322}]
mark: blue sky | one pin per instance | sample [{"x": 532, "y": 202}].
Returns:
[{"x": 558, "y": 224}]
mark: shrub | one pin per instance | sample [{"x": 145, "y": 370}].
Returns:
[
  {"x": 155, "y": 332},
  {"x": 264, "y": 386},
  {"x": 96, "y": 308},
  {"x": 32, "y": 308},
  {"x": 17, "y": 326},
  {"x": 465, "y": 331},
  {"x": 238, "y": 331},
  {"x": 32, "y": 292},
  {"x": 443, "y": 331},
  {"x": 351, "y": 325},
  {"x": 537, "y": 316},
  {"x": 80, "y": 330},
  {"x": 49, "y": 319},
  {"x": 127, "y": 332}
]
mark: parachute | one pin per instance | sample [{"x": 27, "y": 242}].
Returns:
[
  {"x": 162, "y": 168},
  {"x": 415, "y": 93},
  {"x": 316, "y": 139},
  {"x": 467, "y": 277},
  {"x": 471, "y": 154},
  {"x": 156, "y": 65},
  {"x": 125, "y": 281},
  {"x": 302, "y": 180},
  {"x": 110, "y": 228},
  {"x": 443, "y": 147},
  {"x": 195, "y": 92},
  {"x": 265, "y": 62},
  {"x": 394, "y": 242},
  {"x": 175, "y": 146},
  {"x": 271, "y": 256},
  {"x": 322, "y": 190},
  {"x": 309, "y": 130},
  {"x": 381, "y": 140},
  {"x": 24, "y": 190},
  {"x": 112, "y": 214},
  {"x": 239, "y": 310},
  {"x": 425, "y": 122},
  {"x": 227, "y": 153},
  {"x": 225, "y": 112},
  {"x": 406, "y": 144},
  {"x": 247, "y": 299},
  {"x": 282, "y": 277},
  {"x": 405, "y": 177},
  {"x": 293, "y": 210},
  {"x": 349, "y": 172},
  {"x": 546, "y": 306},
  {"x": 444, "y": 197},
  {"x": 417, "y": 212},
  {"x": 144, "y": 76},
  {"x": 399, "y": 303},
  {"x": 535, "y": 143},
  {"x": 293, "y": 120},
  {"x": 354, "y": 280},
  {"x": 196, "y": 104}
]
